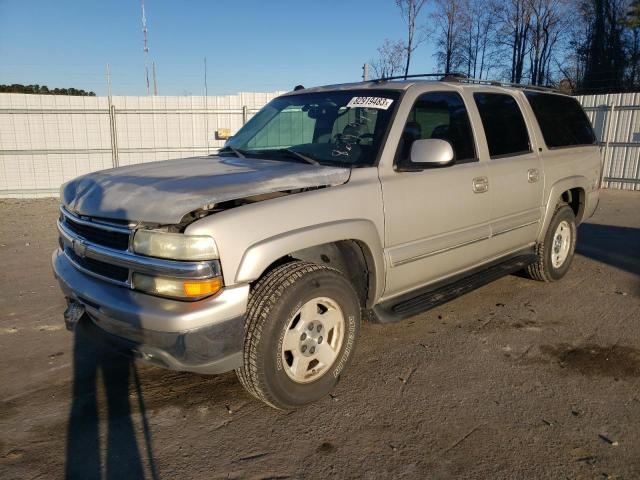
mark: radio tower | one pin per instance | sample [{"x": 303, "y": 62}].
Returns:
[{"x": 146, "y": 47}]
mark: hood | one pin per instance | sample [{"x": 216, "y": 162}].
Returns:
[{"x": 164, "y": 192}]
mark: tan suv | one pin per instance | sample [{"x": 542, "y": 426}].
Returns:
[{"x": 382, "y": 198}]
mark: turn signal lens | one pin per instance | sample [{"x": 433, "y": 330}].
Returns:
[
  {"x": 202, "y": 288},
  {"x": 185, "y": 289}
]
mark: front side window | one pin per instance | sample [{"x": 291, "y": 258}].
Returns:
[
  {"x": 440, "y": 115},
  {"x": 562, "y": 121},
  {"x": 503, "y": 124},
  {"x": 334, "y": 128}
]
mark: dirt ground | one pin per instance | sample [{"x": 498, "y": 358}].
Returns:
[{"x": 518, "y": 379}]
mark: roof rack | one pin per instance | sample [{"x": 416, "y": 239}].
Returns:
[
  {"x": 498, "y": 83},
  {"x": 462, "y": 78},
  {"x": 420, "y": 75}
]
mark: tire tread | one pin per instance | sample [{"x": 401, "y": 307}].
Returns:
[{"x": 264, "y": 295}]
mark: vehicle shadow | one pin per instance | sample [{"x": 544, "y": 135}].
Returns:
[
  {"x": 616, "y": 246},
  {"x": 101, "y": 370},
  {"x": 613, "y": 245},
  {"x": 96, "y": 366}
]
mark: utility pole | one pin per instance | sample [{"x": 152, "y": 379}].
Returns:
[
  {"x": 146, "y": 46},
  {"x": 113, "y": 129},
  {"x": 108, "y": 75},
  {"x": 205, "y": 77},
  {"x": 155, "y": 80},
  {"x": 206, "y": 107},
  {"x": 365, "y": 72}
]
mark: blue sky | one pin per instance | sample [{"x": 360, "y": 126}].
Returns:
[{"x": 250, "y": 45}]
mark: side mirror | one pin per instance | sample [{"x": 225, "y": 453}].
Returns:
[{"x": 431, "y": 152}]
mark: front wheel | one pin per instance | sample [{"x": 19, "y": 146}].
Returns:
[
  {"x": 555, "y": 252},
  {"x": 302, "y": 324}
]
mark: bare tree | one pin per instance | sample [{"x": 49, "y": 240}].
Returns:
[
  {"x": 448, "y": 25},
  {"x": 514, "y": 18},
  {"x": 479, "y": 26},
  {"x": 549, "y": 24},
  {"x": 410, "y": 11},
  {"x": 390, "y": 60}
]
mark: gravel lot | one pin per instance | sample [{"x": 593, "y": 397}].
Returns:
[{"x": 516, "y": 380}]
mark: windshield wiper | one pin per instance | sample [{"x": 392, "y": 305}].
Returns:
[
  {"x": 229, "y": 148},
  {"x": 293, "y": 153}
]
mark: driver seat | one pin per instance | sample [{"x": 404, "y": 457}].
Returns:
[{"x": 412, "y": 132}]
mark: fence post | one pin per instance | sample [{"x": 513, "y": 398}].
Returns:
[
  {"x": 114, "y": 135},
  {"x": 605, "y": 159},
  {"x": 245, "y": 114}
]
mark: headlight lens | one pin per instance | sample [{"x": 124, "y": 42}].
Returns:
[
  {"x": 186, "y": 289},
  {"x": 174, "y": 246}
]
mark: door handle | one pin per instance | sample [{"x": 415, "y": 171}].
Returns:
[
  {"x": 533, "y": 175},
  {"x": 480, "y": 184}
]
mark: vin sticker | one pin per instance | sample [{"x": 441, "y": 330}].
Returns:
[{"x": 370, "y": 102}]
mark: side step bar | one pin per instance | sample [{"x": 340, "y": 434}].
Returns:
[{"x": 421, "y": 300}]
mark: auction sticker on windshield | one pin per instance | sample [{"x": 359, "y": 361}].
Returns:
[{"x": 370, "y": 102}]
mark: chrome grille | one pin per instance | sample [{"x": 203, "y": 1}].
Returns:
[
  {"x": 119, "y": 241},
  {"x": 97, "y": 233},
  {"x": 101, "y": 249},
  {"x": 106, "y": 270}
]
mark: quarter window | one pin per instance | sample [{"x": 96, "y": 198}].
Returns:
[
  {"x": 440, "y": 115},
  {"x": 503, "y": 124},
  {"x": 562, "y": 121}
]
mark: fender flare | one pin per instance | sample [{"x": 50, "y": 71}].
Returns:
[
  {"x": 260, "y": 255},
  {"x": 556, "y": 191}
]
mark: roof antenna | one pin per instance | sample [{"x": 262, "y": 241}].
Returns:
[{"x": 298, "y": 87}]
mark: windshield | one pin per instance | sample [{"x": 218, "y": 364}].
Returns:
[{"x": 333, "y": 128}]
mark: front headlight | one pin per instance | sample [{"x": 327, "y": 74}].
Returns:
[{"x": 174, "y": 246}]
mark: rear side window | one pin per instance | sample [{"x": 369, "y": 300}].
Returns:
[
  {"x": 562, "y": 121},
  {"x": 503, "y": 124}
]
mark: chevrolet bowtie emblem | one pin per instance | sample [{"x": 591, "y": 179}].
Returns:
[{"x": 79, "y": 248}]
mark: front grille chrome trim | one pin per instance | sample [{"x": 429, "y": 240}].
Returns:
[
  {"x": 98, "y": 276},
  {"x": 101, "y": 225},
  {"x": 137, "y": 263}
]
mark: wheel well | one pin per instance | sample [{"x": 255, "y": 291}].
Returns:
[
  {"x": 574, "y": 197},
  {"x": 351, "y": 257}
]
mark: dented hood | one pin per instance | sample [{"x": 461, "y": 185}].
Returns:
[{"x": 164, "y": 192}]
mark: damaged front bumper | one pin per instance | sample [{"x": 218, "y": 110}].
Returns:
[{"x": 205, "y": 336}]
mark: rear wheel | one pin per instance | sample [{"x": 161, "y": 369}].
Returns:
[
  {"x": 555, "y": 252},
  {"x": 302, "y": 324}
]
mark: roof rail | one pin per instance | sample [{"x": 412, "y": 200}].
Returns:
[
  {"x": 498, "y": 83},
  {"x": 462, "y": 78},
  {"x": 443, "y": 76}
]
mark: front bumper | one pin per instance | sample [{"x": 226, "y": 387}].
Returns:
[{"x": 204, "y": 336}]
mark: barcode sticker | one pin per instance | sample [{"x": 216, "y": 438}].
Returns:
[{"x": 370, "y": 102}]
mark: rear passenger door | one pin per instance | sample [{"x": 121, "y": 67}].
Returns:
[{"x": 515, "y": 173}]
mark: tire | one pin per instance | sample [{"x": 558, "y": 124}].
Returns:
[
  {"x": 294, "y": 305},
  {"x": 555, "y": 256}
]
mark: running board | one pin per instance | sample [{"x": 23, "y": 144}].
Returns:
[{"x": 419, "y": 301}]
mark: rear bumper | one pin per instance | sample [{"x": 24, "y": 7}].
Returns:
[{"x": 204, "y": 336}]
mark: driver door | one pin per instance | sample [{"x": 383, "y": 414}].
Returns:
[{"x": 437, "y": 219}]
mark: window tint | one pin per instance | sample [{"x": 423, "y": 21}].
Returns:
[
  {"x": 503, "y": 124},
  {"x": 439, "y": 115},
  {"x": 562, "y": 121}
]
